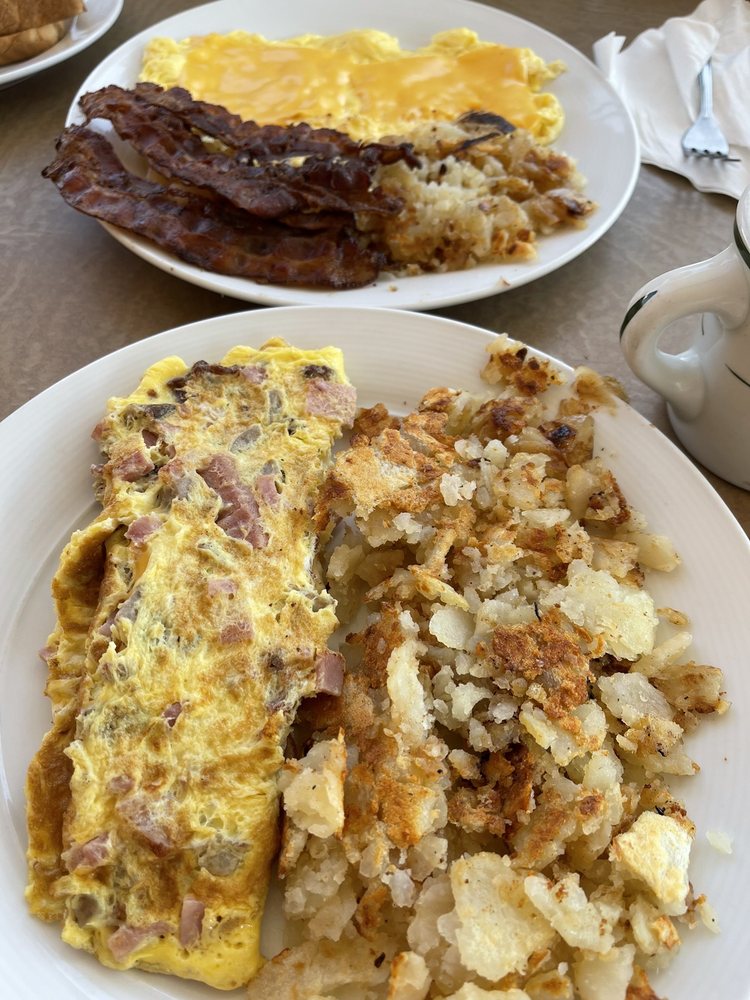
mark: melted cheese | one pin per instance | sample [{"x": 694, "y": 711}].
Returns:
[
  {"x": 178, "y": 661},
  {"x": 362, "y": 81}
]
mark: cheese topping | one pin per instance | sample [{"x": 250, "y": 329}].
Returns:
[{"x": 361, "y": 81}]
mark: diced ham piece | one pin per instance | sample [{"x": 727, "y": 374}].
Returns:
[
  {"x": 332, "y": 400},
  {"x": 149, "y": 438},
  {"x": 120, "y": 784},
  {"x": 329, "y": 673},
  {"x": 240, "y": 517},
  {"x": 241, "y": 631},
  {"x": 191, "y": 921},
  {"x": 126, "y": 940},
  {"x": 221, "y": 585},
  {"x": 143, "y": 526},
  {"x": 127, "y": 611},
  {"x": 139, "y": 813},
  {"x": 172, "y": 712},
  {"x": 267, "y": 490},
  {"x": 86, "y": 857},
  {"x": 105, "y": 628},
  {"x": 254, "y": 373},
  {"x": 98, "y": 431},
  {"x": 133, "y": 466}
]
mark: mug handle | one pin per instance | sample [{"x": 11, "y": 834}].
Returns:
[{"x": 716, "y": 285}]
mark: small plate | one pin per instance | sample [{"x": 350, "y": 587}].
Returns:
[
  {"x": 98, "y": 17},
  {"x": 393, "y": 357},
  {"x": 598, "y": 134}
]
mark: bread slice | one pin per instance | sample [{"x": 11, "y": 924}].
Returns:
[
  {"x": 21, "y": 45},
  {"x": 18, "y": 15}
]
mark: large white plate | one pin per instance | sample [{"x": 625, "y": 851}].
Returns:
[
  {"x": 390, "y": 356},
  {"x": 598, "y": 133},
  {"x": 98, "y": 17}
]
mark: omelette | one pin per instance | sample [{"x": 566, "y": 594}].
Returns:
[
  {"x": 361, "y": 82},
  {"x": 191, "y": 621}
]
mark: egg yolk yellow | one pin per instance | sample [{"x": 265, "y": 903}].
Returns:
[{"x": 362, "y": 81}]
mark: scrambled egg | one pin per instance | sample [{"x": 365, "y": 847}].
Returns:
[
  {"x": 362, "y": 81},
  {"x": 191, "y": 622}
]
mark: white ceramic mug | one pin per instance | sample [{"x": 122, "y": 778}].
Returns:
[{"x": 707, "y": 387}]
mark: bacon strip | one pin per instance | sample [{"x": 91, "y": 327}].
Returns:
[
  {"x": 199, "y": 228},
  {"x": 269, "y": 188},
  {"x": 262, "y": 142}
]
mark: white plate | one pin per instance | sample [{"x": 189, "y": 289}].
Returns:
[
  {"x": 390, "y": 356},
  {"x": 98, "y": 17},
  {"x": 598, "y": 133}
]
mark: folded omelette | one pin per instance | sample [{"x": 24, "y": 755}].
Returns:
[{"x": 190, "y": 623}]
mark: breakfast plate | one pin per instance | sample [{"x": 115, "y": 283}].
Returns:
[
  {"x": 598, "y": 134},
  {"x": 98, "y": 17},
  {"x": 391, "y": 356}
]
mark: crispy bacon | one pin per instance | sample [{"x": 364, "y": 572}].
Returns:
[
  {"x": 200, "y": 228},
  {"x": 262, "y": 142},
  {"x": 269, "y": 188}
]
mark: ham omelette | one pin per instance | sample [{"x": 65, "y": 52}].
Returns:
[{"x": 191, "y": 621}]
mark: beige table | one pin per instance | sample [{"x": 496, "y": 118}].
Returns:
[{"x": 69, "y": 293}]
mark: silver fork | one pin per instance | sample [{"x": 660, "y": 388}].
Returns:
[{"x": 704, "y": 137}]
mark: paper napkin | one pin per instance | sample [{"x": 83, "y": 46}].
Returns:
[{"x": 657, "y": 78}]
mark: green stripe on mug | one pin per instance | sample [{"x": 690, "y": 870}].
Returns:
[{"x": 636, "y": 307}]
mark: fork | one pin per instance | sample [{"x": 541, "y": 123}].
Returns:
[{"x": 704, "y": 137}]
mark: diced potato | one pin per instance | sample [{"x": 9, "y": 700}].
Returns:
[
  {"x": 499, "y": 929},
  {"x": 623, "y": 616},
  {"x": 605, "y": 977},
  {"x": 656, "y": 851},
  {"x": 579, "y": 923},
  {"x": 313, "y": 788}
]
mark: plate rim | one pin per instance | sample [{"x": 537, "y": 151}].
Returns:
[{"x": 499, "y": 277}]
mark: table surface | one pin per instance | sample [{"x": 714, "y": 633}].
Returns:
[{"x": 70, "y": 293}]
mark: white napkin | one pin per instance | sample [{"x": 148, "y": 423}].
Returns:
[{"x": 657, "y": 77}]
